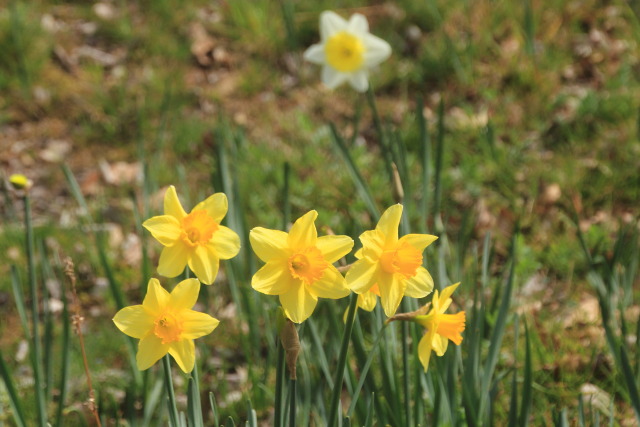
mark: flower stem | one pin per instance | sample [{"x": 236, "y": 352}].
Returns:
[
  {"x": 292, "y": 402},
  {"x": 168, "y": 382},
  {"x": 342, "y": 360},
  {"x": 277, "y": 416}
]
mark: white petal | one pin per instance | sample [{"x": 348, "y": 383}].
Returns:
[
  {"x": 359, "y": 81},
  {"x": 376, "y": 50},
  {"x": 315, "y": 54},
  {"x": 358, "y": 24},
  {"x": 331, "y": 23},
  {"x": 333, "y": 78}
]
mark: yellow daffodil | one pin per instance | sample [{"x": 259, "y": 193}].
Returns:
[
  {"x": 440, "y": 327},
  {"x": 388, "y": 266},
  {"x": 165, "y": 323},
  {"x": 196, "y": 239},
  {"x": 20, "y": 182},
  {"x": 299, "y": 266},
  {"x": 347, "y": 51}
]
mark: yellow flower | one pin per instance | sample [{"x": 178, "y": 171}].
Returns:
[
  {"x": 20, "y": 182},
  {"x": 347, "y": 50},
  {"x": 440, "y": 327},
  {"x": 299, "y": 266},
  {"x": 165, "y": 323},
  {"x": 388, "y": 266},
  {"x": 196, "y": 239}
]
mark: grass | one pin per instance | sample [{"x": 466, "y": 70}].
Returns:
[{"x": 540, "y": 129}]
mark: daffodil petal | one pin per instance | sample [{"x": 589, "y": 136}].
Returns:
[
  {"x": 330, "y": 285},
  {"x": 362, "y": 275},
  {"x": 419, "y": 285},
  {"x": 184, "y": 352},
  {"x": 367, "y": 301},
  {"x": 164, "y": 228},
  {"x": 376, "y": 50},
  {"x": 172, "y": 205},
  {"x": 330, "y": 23},
  {"x": 389, "y": 222},
  {"x": 150, "y": 350},
  {"x": 298, "y": 303},
  {"x": 391, "y": 292},
  {"x": 372, "y": 244},
  {"x": 215, "y": 205},
  {"x": 134, "y": 321},
  {"x": 439, "y": 344},
  {"x": 196, "y": 324},
  {"x": 185, "y": 294},
  {"x": 334, "y": 247},
  {"x": 418, "y": 241},
  {"x": 315, "y": 54},
  {"x": 173, "y": 259},
  {"x": 157, "y": 297},
  {"x": 225, "y": 242},
  {"x": 204, "y": 264},
  {"x": 358, "y": 254},
  {"x": 303, "y": 233},
  {"x": 272, "y": 279},
  {"x": 425, "y": 347},
  {"x": 332, "y": 78},
  {"x": 359, "y": 80},
  {"x": 269, "y": 244},
  {"x": 358, "y": 24},
  {"x": 444, "y": 298}
]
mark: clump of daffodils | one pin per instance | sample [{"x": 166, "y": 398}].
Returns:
[{"x": 347, "y": 51}]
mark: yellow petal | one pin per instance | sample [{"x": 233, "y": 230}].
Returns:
[
  {"x": 389, "y": 223},
  {"x": 334, "y": 247},
  {"x": 273, "y": 278},
  {"x": 185, "y": 294},
  {"x": 439, "y": 344},
  {"x": 303, "y": 233},
  {"x": 134, "y": 321},
  {"x": 196, "y": 324},
  {"x": 215, "y": 205},
  {"x": 425, "y": 347},
  {"x": 362, "y": 275},
  {"x": 451, "y": 326},
  {"x": 164, "y": 228},
  {"x": 150, "y": 350},
  {"x": 157, "y": 297},
  {"x": 358, "y": 254},
  {"x": 173, "y": 259},
  {"x": 391, "y": 292},
  {"x": 184, "y": 352},
  {"x": 418, "y": 241},
  {"x": 330, "y": 285},
  {"x": 298, "y": 304},
  {"x": 269, "y": 244},
  {"x": 367, "y": 301},
  {"x": 172, "y": 205},
  {"x": 444, "y": 300},
  {"x": 225, "y": 242},
  {"x": 204, "y": 263},
  {"x": 372, "y": 244},
  {"x": 419, "y": 285}
]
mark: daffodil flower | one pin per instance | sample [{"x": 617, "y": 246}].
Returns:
[
  {"x": 441, "y": 328},
  {"x": 388, "y": 266},
  {"x": 165, "y": 323},
  {"x": 299, "y": 266},
  {"x": 347, "y": 50},
  {"x": 196, "y": 239}
]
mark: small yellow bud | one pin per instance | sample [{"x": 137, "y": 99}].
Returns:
[{"x": 20, "y": 182}]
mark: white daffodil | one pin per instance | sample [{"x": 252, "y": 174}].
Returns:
[{"x": 347, "y": 50}]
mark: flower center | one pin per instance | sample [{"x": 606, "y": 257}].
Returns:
[
  {"x": 168, "y": 327},
  {"x": 403, "y": 260},
  {"x": 307, "y": 265},
  {"x": 198, "y": 228},
  {"x": 344, "y": 52}
]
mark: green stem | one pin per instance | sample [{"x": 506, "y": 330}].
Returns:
[
  {"x": 168, "y": 382},
  {"x": 405, "y": 368},
  {"x": 36, "y": 355},
  {"x": 342, "y": 360},
  {"x": 377, "y": 122},
  {"x": 292, "y": 402},
  {"x": 277, "y": 416}
]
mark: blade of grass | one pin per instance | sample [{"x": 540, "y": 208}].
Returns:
[
  {"x": 425, "y": 155},
  {"x": 14, "y": 399},
  {"x": 629, "y": 378},
  {"x": 527, "y": 383},
  {"x": 214, "y": 409}
]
